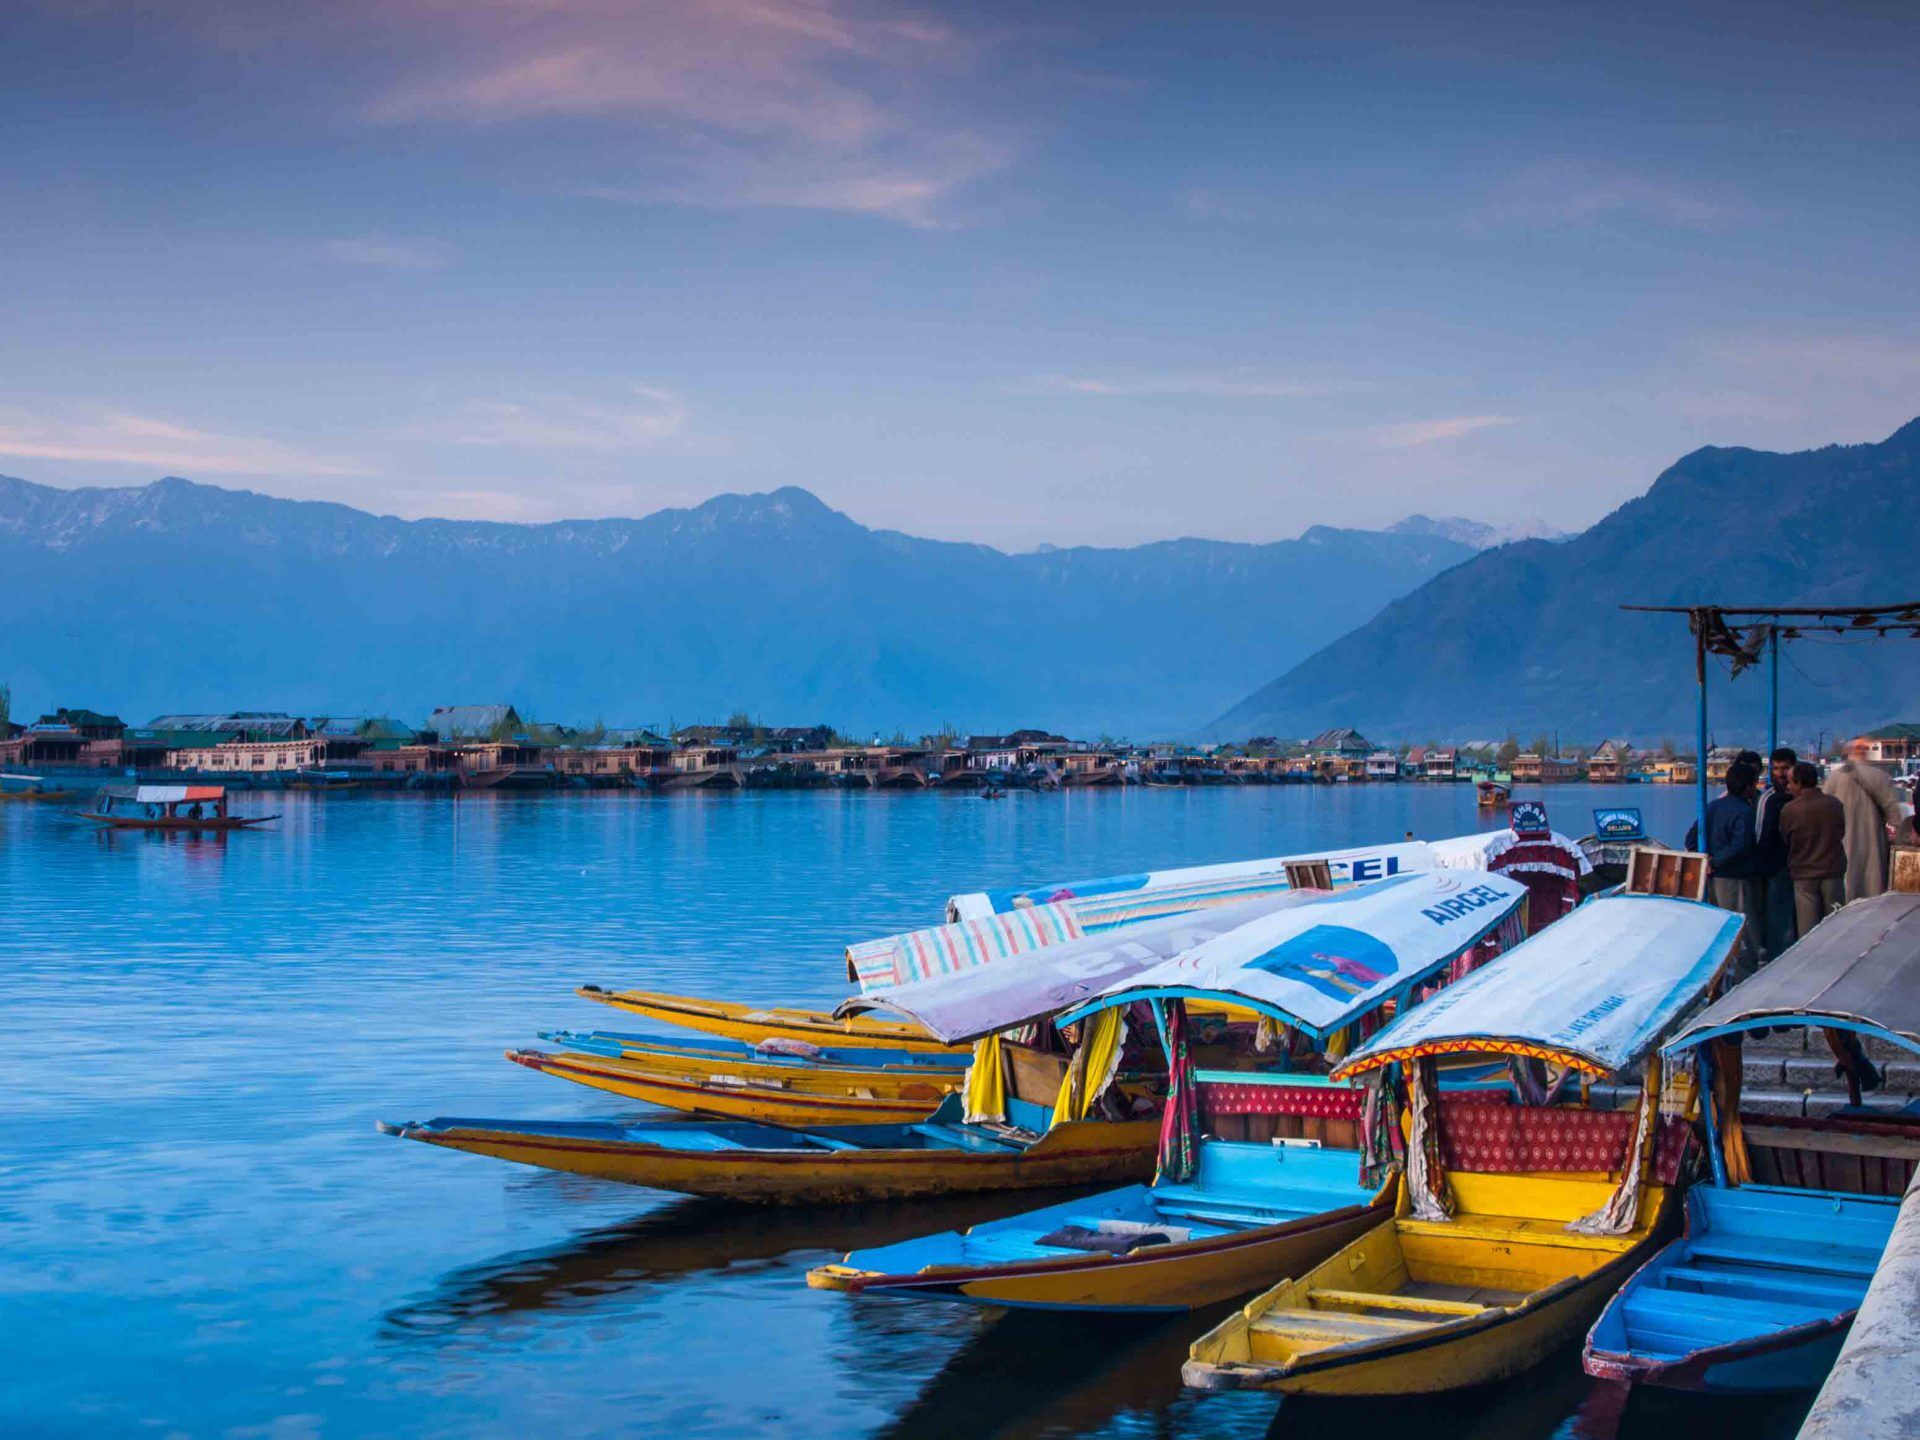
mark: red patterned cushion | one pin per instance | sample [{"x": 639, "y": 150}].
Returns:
[
  {"x": 1494, "y": 1137},
  {"x": 1325, "y": 1102}
]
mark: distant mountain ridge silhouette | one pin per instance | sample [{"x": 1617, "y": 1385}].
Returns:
[
  {"x": 1530, "y": 635},
  {"x": 181, "y": 596}
]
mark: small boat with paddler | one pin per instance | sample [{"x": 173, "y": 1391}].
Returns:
[
  {"x": 1224, "y": 1216},
  {"x": 31, "y": 788},
  {"x": 1515, "y": 1222},
  {"x": 1782, "y": 1242},
  {"x": 168, "y": 807}
]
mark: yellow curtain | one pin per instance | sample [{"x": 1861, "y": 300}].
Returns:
[
  {"x": 986, "y": 1093},
  {"x": 1094, "y": 1060}
]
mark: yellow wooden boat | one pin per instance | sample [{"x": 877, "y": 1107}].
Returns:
[
  {"x": 765, "y": 1164},
  {"x": 759, "y": 1022},
  {"x": 746, "y": 1090},
  {"x": 1416, "y": 1306},
  {"x": 1509, "y": 1238}
]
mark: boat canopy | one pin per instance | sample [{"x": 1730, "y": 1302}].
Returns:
[
  {"x": 166, "y": 794},
  {"x": 1311, "y": 959},
  {"x": 1859, "y": 970},
  {"x": 1369, "y": 862},
  {"x": 1597, "y": 990}
]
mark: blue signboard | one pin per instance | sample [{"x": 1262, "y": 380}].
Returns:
[
  {"x": 1528, "y": 817},
  {"x": 1623, "y": 824}
]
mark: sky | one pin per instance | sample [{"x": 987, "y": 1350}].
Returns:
[{"x": 1073, "y": 273}]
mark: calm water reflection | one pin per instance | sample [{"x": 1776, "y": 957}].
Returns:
[{"x": 205, "y": 1237}]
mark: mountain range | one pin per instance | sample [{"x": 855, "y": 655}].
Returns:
[
  {"x": 175, "y": 596},
  {"x": 1531, "y": 636}
]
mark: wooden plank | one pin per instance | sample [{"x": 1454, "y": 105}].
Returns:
[{"x": 1833, "y": 1142}]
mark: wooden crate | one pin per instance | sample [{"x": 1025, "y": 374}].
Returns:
[
  {"x": 1309, "y": 875},
  {"x": 1667, "y": 872},
  {"x": 1906, "y": 869}
]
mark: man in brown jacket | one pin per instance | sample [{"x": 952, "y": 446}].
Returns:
[{"x": 1814, "y": 827}]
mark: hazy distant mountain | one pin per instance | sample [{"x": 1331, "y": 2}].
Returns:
[
  {"x": 1476, "y": 534},
  {"x": 177, "y": 596},
  {"x": 1531, "y": 636}
]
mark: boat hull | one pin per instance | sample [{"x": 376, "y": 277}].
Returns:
[
  {"x": 1756, "y": 1298},
  {"x": 1090, "y": 1152},
  {"x": 1165, "y": 1279},
  {"x": 777, "y": 1097},
  {"x": 127, "y": 822},
  {"x": 754, "y": 1022},
  {"x": 1378, "y": 1355}
]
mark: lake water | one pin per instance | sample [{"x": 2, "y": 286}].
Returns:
[{"x": 204, "y": 1236}]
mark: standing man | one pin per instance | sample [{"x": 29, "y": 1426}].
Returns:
[
  {"x": 1867, "y": 794},
  {"x": 1776, "y": 885},
  {"x": 1731, "y": 858},
  {"x": 1814, "y": 826}
]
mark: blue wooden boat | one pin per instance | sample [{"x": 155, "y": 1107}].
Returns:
[
  {"x": 1780, "y": 1247},
  {"x": 1224, "y": 1216}
]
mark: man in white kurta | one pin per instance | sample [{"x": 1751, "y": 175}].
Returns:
[{"x": 1872, "y": 804}]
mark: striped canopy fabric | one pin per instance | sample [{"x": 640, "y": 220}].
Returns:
[{"x": 946, "y": 949}]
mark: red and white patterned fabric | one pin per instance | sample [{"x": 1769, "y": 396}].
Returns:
[
  {"x": 1323, "y": 1102},
  {"x": 1490, "y": 1136}
]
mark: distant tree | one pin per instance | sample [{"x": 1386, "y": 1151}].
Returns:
[
  {"x": 1509, "y": 751},
  {"x": 1542, "y": 744},
  {"x": 740, "y": 720},
  {"x": 1668, "y": 748},
  {"x": 6, "y": 707}
]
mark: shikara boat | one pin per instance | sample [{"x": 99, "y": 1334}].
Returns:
[
  {"x": 1515, "y": 1223},
  {"x": 29, "y": 788},
  {"x": 1760, "y": 1292},
  {"x": 1492, "y": 794},
  {"x": 755, "y": 1022},
  {"x": 764, "y": 1164},
  {"x": 774, "y": 1090},
  {"x": 169, "y": 807},
  {"x": 1224, "y": 1216}
]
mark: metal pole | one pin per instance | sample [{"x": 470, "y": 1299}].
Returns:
[
  {"x": 1700, "y": 757},
  {"x": 1773, "y": 690}
]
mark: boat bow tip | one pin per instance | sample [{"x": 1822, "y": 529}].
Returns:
[{"x": 1200, "y": 1375}]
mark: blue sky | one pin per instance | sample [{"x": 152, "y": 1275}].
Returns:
[{"x": 1072, "y": 273}]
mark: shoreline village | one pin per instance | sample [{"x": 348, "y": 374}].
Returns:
[{"x": 493, "y": 747}]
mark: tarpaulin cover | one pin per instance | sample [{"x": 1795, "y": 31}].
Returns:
[
  {"x": 166, "y": 794},
  {"x": 1596, "y": 990},
  {"x": 1368, "y": 862},
  {"x": 973, "y": 1002},
  {"x": 944, "y": 949},
  {"x": 1311, "y": 959},
  {"x": 1320, "y": 965},
  {"x": 1859, "y": 967}
]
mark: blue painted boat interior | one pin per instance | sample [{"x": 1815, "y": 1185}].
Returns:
[
  {"x": 942, "y": 1131},
  {"x": 1236, "y": 1186},
  {"x": 614, "y": 1043},
  {"x": 1756, "y": 1260}
]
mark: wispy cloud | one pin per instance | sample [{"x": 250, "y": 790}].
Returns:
[
  {"x": 1577, "y": 195},
  {"x": 1407, "y": 435},
  {"x": 386, "y": 252},
  {"x": 1225, "y": 385},
  {"x": 1839, "y": 383},
  {"x": 859, "y": 106},
  {"x": 116, "y": 438},
  {"x": 639, "y": 417}
]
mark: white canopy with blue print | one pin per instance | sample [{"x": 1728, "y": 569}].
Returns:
[
  {"x": 1316, "y": 961},
  {"x": 1597, "y": 990}
]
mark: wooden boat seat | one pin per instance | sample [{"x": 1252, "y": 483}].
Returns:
[
  {"x": 1830, "y": 1291},
  {"x": 966, "y": 1137},
  {"x": 1509, "y": 1229},
  {"x": 1680, "y": 1321},
  {"x": 1772, "y": 1255},
  {"x": 1321, "y": 1329},
  {"x": 1378, "y": 1300}
]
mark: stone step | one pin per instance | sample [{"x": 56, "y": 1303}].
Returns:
[{"x": 1812, "y": 1104}]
